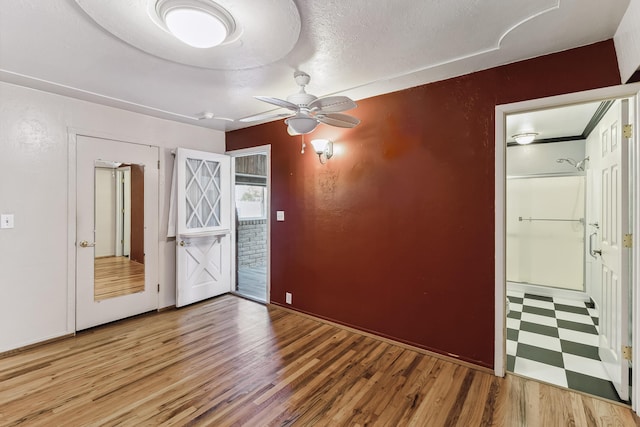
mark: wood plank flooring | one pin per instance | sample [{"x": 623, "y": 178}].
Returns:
[
  {"x": 233, "y": 362},
  {"x": 116, "y": 276}
]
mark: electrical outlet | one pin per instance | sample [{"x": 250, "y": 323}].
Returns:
[{"x": 287, "y": 297}]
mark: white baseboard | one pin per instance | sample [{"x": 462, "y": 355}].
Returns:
[{"x": 547, "y": 291}]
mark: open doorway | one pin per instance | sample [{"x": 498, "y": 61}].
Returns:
[
  {"x": 252, "y": 197},
  {"x": 556, "y": 221},
  {"x": 563, "y": 264}
]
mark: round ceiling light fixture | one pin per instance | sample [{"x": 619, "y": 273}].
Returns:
[
  {"x": 198, "y": 23},
  {"x": 525, "y": 138}
]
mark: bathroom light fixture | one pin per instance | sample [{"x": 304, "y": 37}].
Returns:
[
  {"x": 197, "y": 23},
  {"x": 323, "y": 148},
  {"x": 525, "y": 138}
]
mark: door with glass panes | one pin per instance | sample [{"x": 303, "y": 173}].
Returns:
[{"x": 203, "y": 250}]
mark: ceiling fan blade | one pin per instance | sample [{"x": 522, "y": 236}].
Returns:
[
  {"x": 332, "y": 104},
  {"x": 338, "y": 120},
  {"x": 263, "y": 116},
  {"x": 207, "y": 115},
  {"x": 279, "y": 102}
]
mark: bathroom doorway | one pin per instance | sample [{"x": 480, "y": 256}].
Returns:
[
  {"x": 567, "y": 263},
  {"x": 252, "y": 200}
]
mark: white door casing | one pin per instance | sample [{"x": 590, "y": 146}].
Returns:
[
  {"x": 614, "y": 216},
  {"x": 631, "y": 91},
  {"x": 88, "y": 311},
  {"x": 203, "y": 243}
]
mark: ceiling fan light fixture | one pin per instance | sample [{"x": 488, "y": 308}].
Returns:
[
  {"x": 525, "y": 138},
  {"x": 302, "y": 124},
  {"x": 198, "y": 23}
]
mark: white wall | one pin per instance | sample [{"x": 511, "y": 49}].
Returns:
[
  {"x": 627, "y": 41},
  {"x": 34, "y": 128},
  {"x": 536, "y": 159},
  {"x": 105, "y": 212}
]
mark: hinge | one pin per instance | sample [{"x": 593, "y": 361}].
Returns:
[
  {"x": 627, "y": 241},
  {"x": 626, "y": 352},
  {"x": 158, "y": 164},
  {"x": 627, "y": 131},
  {"x": 158, "y": 287}
]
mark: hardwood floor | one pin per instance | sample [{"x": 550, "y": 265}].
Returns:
[
  {"x": 116, "y": 276},
  {"x": 230, "y": 361}
]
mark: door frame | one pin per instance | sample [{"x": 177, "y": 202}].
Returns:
[
  {"x": 501, "y": 111},
  {"x": 72, "y": 144},
  {"x": 260, "y": 149}
]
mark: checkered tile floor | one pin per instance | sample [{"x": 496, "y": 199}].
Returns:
[{"x": 556, "y": 340}]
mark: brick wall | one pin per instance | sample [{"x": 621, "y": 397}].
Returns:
[{"x": 252, "y": 243}]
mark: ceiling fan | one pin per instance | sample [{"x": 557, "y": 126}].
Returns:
[{"x": 307, "y": 110}]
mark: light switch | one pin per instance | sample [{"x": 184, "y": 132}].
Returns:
[
  {"x": 279, "y": 215},
  {"x": 6, "y": 221}
]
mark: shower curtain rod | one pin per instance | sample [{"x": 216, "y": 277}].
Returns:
[{"x": 581, "y": 220}]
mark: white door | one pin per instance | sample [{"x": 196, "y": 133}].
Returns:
[
  {"x": 93, "y": 308},
  {"x": 203, "y": 251},
  {"x": 614, "y": 309}
]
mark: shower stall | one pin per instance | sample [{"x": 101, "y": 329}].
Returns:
[
  {"x": 545, "y": 218},
  {"x": 546, "y": 231}
]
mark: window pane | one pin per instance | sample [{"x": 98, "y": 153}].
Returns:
[
  {"x": 250, "y": 201},
  {"x": 202, "y": 193}
]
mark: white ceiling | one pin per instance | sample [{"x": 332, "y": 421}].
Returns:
[
  {"x": 568, "y": 121},
  {"x": 358, "y": 48}
]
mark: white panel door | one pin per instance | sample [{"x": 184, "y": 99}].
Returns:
[
  {"x": 90, "y": 310},
  {"x": 203, "y": 251},
  {"x": 614, "y": 309}
]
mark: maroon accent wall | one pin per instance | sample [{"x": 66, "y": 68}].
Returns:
[
  {"x": 395, "y": 234},
  {"x": 137, "y": 214}
]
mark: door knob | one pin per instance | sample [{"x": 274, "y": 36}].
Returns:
[{"x": 85, "y": 244}]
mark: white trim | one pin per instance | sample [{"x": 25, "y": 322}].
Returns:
[
  {"x": 635, "y": 253},
  {"x": 71, "y": 231},
  {"x": 549, "y": 291},
  {"x": 261, "y": 149},
  {"x": 499, "y": 361},
  {"x": 501, "y": 111}
]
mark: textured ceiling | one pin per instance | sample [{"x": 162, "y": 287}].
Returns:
[{"x": 358, "y": 48}]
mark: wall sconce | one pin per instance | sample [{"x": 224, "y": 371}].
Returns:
[{"x": 323, "y": 148}]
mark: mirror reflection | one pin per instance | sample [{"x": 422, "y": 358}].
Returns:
[{"x": 119, "y": 229}]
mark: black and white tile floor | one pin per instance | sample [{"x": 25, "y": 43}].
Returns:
[{"x": 555, "y": 340}]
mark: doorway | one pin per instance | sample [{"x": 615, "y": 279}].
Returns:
[
  {"x": 252, "y": 201},
  {"x": 553, "y": 208},
  {"x": 116, "y": 218},
  {"x": 585, "y": 226}
]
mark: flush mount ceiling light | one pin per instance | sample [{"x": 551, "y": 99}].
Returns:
[
  {"x": 197, "y": 23},
  {"x": 141, "y": 23},
  {"x": 525, "y": 138}
]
